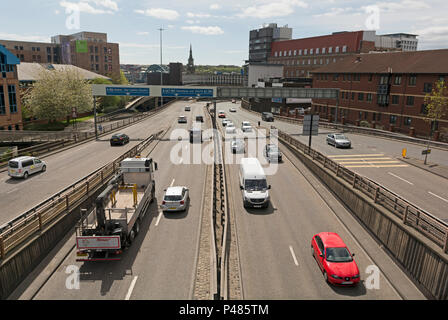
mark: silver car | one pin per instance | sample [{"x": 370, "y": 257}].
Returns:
[
  {"x": 238, "y": 146},
  {"x": 176, "y": 199},
  {"x": 272, "y": 153},
  {"x": 22, "y": 167},
  {"x": 338, "y": 140}
]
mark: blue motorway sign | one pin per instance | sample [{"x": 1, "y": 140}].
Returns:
[
  {"x": 127, "y": 91},
  {"x": 277, "y": 100},
  {"x": 184, "y": 92}
]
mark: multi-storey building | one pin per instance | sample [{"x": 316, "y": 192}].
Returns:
[
  {"x": 260, "y": 41},
  {"x": 87, "y": 50},
  {"x": 302, "y": 56},
  {"x": 10, "y": 106},
  {"x": 387, "y": 90},
  {"x": 401, "y": 41}
]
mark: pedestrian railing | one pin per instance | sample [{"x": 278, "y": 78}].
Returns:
[{"x": 411, "y": 215}]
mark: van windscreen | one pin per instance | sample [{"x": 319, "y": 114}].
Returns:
[
  {"x": 13, "y": 164},
  {"x": 255, "y": 185}
]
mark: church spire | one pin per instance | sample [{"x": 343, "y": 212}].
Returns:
[{"x": 190, "y": 65}]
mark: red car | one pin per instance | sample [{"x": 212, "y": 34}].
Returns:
[{"x": 334, "y": 259}]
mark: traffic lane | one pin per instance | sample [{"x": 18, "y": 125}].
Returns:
[
  {"x": 160, "y": 262},
  {"x": 71, "y": 165},
  {"x": 273, "y": 237}
]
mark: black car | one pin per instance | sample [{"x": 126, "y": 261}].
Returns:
[
  {"x": 119, "y": 139},
  {"x": 267, "y": 116},
  {"x": 199, "y": 119}
]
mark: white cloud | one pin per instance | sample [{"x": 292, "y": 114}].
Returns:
[
  {"x": 21, "y": 37},
  {"x": 193, "y": 21},
  {"x": 272, "y": 9},
  {"x": 148, "y": 46},
  {"x": 401, "y": 5},
  {"x": 334, "y": 12},
  {"x": 198, "y": 15},
  {"x": 100, "y": 6},
  {"x": 143, "y": 33},
  {"x": 159, "y": 13},
  {"x": 215, "y": 6},
  {"x": 204, "y": 30}
]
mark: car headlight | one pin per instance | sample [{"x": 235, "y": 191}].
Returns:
[
  {"x": 356, "y": 276},
  {"x": 335, "y": 276}
]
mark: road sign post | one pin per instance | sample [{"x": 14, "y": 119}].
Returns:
[{"x": 310, "y": 127}]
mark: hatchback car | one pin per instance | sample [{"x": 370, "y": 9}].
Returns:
[
  {"x": 225, "y": 122},
  {"x": 199, "y": 119},
  {"x": 182, "y": 119},
  {"x": 187, "y": 108},
  {"x": 175, "y": 199},
  {"x": 221, "y": 114},
  {"x": 119, "y": 139},
  {"x": 232, "y": 110},
  {"x": 246, "y": 126},
  {"x": 334, "y": 259},
  {"x": 233, "y": 101},
  {"x": 267, "y": 116},
  {"x": 230, "y": 129},
  {"x": 272, "y": 153},
  {"x": 338, "y": 140},
  {"x": 238, "y": 146},
  {"x": 22, "y": 167}
]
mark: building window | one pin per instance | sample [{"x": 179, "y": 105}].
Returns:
[
  {"x": 295, "y": 52},
  {"x": 311, "y": 51},
  {"x": 412, "y": 80},
  {"x": 424, "y": 109},
  {"x": 427, "y": 87},
  {"x": 315, "y": 61},
  {"x": 407, "y": 121},
  {"x": 91, "y": 49},
  {"x": 335, "y": 77},
  {"x": 361, "y": 96},
  {"x": 12, "y": 98},
  {"x": 323, "y": 50},
  {"x": 344, "y": 49},
  {"x": 305, "y": 52},
  {"x": 393, "y": 119},
  {"x": 370, "y": 77},
  {"x": 275, "y": 53},
  {"x": 409, "y": 100},
  {"x": 284, "y": 53},
  {"x": 397, "y": 80},
  {"x": 349, "y": 77},
  {"x": 330, "y": 50},
  {"x": 2, "y": 101},
  {"x": 317, "y": 51},
  {"x": 369, "y": 97},
  {"x": 337, "y": 50},
  {"x": 300, "y": 52},
  {"x": 353, "y": 96},
  {"x": 395, "y": 99},
  {"x": 280, "y": 54},
  {"x": 356, "y": 77},
  {"x": 96, "y": 49}
]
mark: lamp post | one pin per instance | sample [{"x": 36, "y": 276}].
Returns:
[{"x": 161, "y": 68}]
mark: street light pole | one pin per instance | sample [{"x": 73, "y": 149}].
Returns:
[{"x": 161, "y": 69}]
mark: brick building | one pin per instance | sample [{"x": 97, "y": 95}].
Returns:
[
  {"x": 87, "y": 50},
  {"x": 302, "y": 56},
  {"x": 10, "y": 106},
  {"x": 385, "y": 89}
]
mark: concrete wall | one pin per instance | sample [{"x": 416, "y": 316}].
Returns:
[
  {"x": 15, "y": 268},
  {"x": 422, "y": 260}
]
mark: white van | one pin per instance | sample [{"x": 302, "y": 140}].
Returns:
[
  {"x": 22, "y": 167},
  {"x": 253, "y": 184}
]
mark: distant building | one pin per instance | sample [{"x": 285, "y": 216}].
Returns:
[
  {"x": 260, "y": 72},
  {"x": 399, "y": 41},
  {"x": 87, "y": 50},
  {"x": 209, "y": 79},
  {"x": 171, "y": 75},
  {"x": 10, "y": 105},
  {"x": 387, "y": 90},
  {"x": 191, "y": 69},
  {"x": 260, "y": 41}
]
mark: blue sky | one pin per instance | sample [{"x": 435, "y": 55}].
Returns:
[{"x": 218, "y": 30}]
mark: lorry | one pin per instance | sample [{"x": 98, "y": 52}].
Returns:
[{"x": 114, "y": 221}]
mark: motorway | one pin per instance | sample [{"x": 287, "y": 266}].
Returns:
[
  {"x": 274, "y": 243},
  {"x": 161, "y": 263},
  {"x": 377, "y": 159}
]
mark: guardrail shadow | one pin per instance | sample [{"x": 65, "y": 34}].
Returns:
[{"x": 110, "y": 271}]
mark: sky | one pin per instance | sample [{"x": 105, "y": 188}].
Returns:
[{"x": 217, "y": 30}]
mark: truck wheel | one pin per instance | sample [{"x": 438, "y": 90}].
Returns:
[
  {"x": 137, "y": 227},
  {"x": 131, "y": 236},
  {"x": 153, "y": 194}
]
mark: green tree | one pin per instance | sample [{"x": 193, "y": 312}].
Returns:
[
  {"x": 437, "y": 102},
  {"x": 55, "y": 94}
]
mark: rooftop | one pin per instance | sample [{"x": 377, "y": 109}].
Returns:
[{"x": 29, "y": 72}]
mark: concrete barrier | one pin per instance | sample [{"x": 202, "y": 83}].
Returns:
[
  {"x": 15, "y": 268},
  {"x": 421, "y": 259}
]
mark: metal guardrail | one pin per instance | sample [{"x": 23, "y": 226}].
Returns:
[
  {"x": 41, "y": 216},
  {"x": 424, "y": 222},
  {"x": 363, "y": 130}
]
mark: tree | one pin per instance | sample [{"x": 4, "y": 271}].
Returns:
[{"x": 55, "y": 94}]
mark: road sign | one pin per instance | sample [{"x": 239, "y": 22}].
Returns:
[
  {"x": 311, "y": 125},
  {"x": 187, "y": 92},
  {"x": 404, "y": 152},
  {"x": 426, "y": 151},
  {"x": 277, "y": 100},
  {"x": 127, "y": 91}
]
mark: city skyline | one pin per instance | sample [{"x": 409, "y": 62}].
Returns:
[{"x": 218, "y": 31}]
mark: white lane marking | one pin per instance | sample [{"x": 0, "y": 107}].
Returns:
[
  {"x": 11, "y": 191},
  {"x": 400, "y": 178},
  {"x": 131, "y": 288},
  {"x": 172, "y": 182},
  {"x": 437, "y": 196},
  {"x": 293, "y": 255},
  {"x": 181, "y": 160},
  {"x": 158, "y": 218}
]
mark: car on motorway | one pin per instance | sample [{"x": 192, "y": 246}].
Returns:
[
  {"x": 334, "y": 259},
  {"x": 272, "y": 153},
  {"x": 253, "y": 184},
  {"x": 22, "y": 167},
  {"x": 338, "y": 140},
  {"x": 199, "y": 119},
  {"x": 238, "y": 146},
  {"x": 246, "y": 126},
  {"x": 232, "y": 109},
  {"x": 267, "y": 116},
  {"x": 195, "y": 135},
  {"x": 225, "y": 122},
  {"x": 230, "y": 129},
  {"x": 119, "y": 139},
  {"x": 221, "y": 114},
  {"x": 187, "y": 108},
  {"x": 233, "y": 101},
  {"x": 182, "y": 119},
  {"x": 175, "y": 199}
]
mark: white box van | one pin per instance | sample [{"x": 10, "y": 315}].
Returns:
[
  {"x": 253, "y": 184},
  {"x": 22, "y": 167}
]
